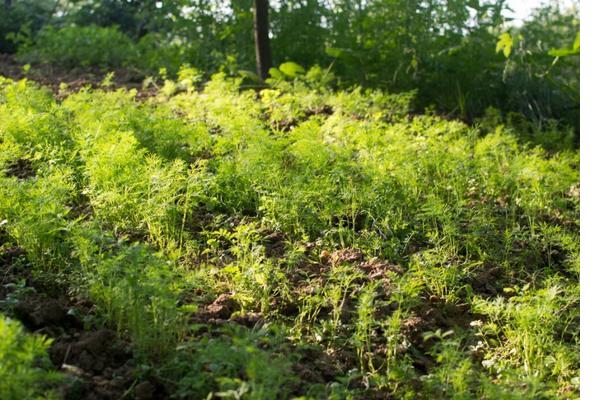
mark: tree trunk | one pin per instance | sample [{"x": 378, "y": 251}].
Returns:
[{"x": 261, "y": 38}]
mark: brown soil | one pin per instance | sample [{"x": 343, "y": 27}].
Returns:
[
  {"x": 274, "y": 244},
  {"x": 98, "y": 364},
  {"x": 220, "y": 309},
  {"x": 75, "y": 79},
  {"x": 485, "y": 280},
  {"x": 21, "y": 169},
  {"x": 378, "y": 269},
  {"x": 347, "y": 255}
]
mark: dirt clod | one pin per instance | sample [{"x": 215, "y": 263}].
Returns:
[
  {"x": 36, "y": 312},
  {"x": 347, "y": 255},
  {"x": 221, "y": 308},
  {"x": 376, "y": 268}
]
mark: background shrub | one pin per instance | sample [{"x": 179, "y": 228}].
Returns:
[{"x": 75, "y": 46}]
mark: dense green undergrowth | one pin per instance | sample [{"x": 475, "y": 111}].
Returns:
[
  {"x": 300, "y": 243},
  {"x": 530, "y": 67}
]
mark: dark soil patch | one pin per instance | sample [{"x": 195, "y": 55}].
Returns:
[
  {"x": 284, "y": 125},
  {"x": 21, "y": 169},
  {"x": 99, "y": 361},
  {"x": 487, "y": 279},
  {"x": 287, "y": 124},
  {"x": 432, "y": 315},
  {"x": 38, "y": 312},
  {"x": 324, "y": 109},
  {"x": 75, "y": 79},
  {"x": 317, "y": 366},
  {"x": 274, "y": 244},
  {"x": 224, "y": 310},
  {"x": 220, "y": 309},
  {"x": 378, "y": 269},
  {"x": 99, "y": 364},
  {"x": 347, "y": 255},
  {"x": 355, "y": 222}
]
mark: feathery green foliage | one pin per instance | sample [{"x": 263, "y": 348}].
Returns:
[
  {"x": 24, "y": 364},
  {"x": 300, "y": 241}
]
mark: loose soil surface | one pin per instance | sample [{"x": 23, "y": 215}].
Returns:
[
  {"x": 74, "y": 79},
  {"x": 98, "y": 364}
]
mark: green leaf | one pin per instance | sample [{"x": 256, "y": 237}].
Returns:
[
  {"x": 333, "y": 52},
  {"x": 291, "y": 69},
  {"x": 561, "y": 52},
  {"x": 250, "y": 75},
  {"x": 276, "y": 74},
  {"x": 567, "y": 51},
  {"x": 505, "y": 44}
]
